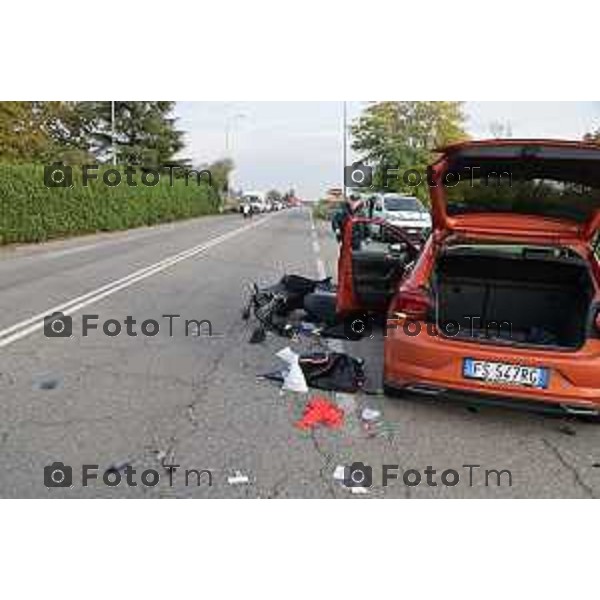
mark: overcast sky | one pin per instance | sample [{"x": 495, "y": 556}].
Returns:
[{"x": 299, "y": 144}]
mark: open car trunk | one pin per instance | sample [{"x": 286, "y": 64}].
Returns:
[{"x": 514, "y": 294}]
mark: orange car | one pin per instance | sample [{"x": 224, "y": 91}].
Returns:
[{"x": 503, "y": 302}]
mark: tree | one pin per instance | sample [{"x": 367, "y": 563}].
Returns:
[
  {"x": 404, "y": 136},
  {"x": 20, "y": 133},
  {"x": 592, "y": 137},
  {"x": 42, "y": 131},
  {"x": 219, "y": 171},
  {"x": 145, "y": 132},
  {"x": 274, "y": 196}
]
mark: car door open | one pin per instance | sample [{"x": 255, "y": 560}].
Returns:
[{"x": 373, "y": 258}]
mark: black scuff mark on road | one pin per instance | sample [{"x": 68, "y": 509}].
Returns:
[
  {"x": 325, "y": 470},
  {"x": 198, "y": 390},
  {"x": 46, "y": 383},
  {"x": 191, "y": 414},
  {"x": 567, "y": 429},
  {"x": 6, "y": 379},
  {"x": 199, "y": 387},
  {"x": 563, "y": 461}
]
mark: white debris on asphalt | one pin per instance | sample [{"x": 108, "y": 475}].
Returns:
[
  {"x": 370, "y": 414},
  {"x": 238, "y": 479},
  {"x": 294, "y": 379},
  {"x": 338, "y": 474}
]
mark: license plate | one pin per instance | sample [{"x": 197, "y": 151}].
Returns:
[{"x": 498, "y": 372}]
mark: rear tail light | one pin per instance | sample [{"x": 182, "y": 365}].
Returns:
[{"x": 412, "y": 304}]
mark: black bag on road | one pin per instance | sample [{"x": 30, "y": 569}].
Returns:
[{"x": 333, "y": 371}]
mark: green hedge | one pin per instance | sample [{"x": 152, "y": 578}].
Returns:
[{"x": 32, "y": 212}]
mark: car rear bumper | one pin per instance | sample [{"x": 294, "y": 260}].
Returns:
[
  {"x": 432, "y": 364},
  {"x": 489, "y": 398}
]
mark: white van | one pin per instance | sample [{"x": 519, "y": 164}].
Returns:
[{"x": 256, "y": 200}]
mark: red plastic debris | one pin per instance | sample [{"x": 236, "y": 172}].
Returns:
[{"x": 320, "y": 411}]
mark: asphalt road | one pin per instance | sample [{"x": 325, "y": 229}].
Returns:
[{"x": 195, "y": 401}]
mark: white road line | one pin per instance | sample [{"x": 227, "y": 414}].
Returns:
[
  {"x": 28, "y": 326},
  {"x": 334, "y": 344},
  {"x": 321, "y": 270}
]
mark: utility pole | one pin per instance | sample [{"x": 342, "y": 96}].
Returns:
[
  {"x": 112, "y": 132},
  {"x": 344, "y": 149}
]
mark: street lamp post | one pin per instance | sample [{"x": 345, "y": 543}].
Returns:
[{"x": 344, "y": 148}]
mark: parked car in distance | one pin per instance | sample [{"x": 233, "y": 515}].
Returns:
[
  {"x": 503, "y": 303},
  {"x": 403, "y": 211},
  {"x": 257, "y": 201}
]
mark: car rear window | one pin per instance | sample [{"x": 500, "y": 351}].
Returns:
[
  {"x": 545, "y": 197},
  {"x": 556, "y": 183}
]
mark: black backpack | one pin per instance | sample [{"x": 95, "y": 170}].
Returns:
[{"x": 333, "y": 371}]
